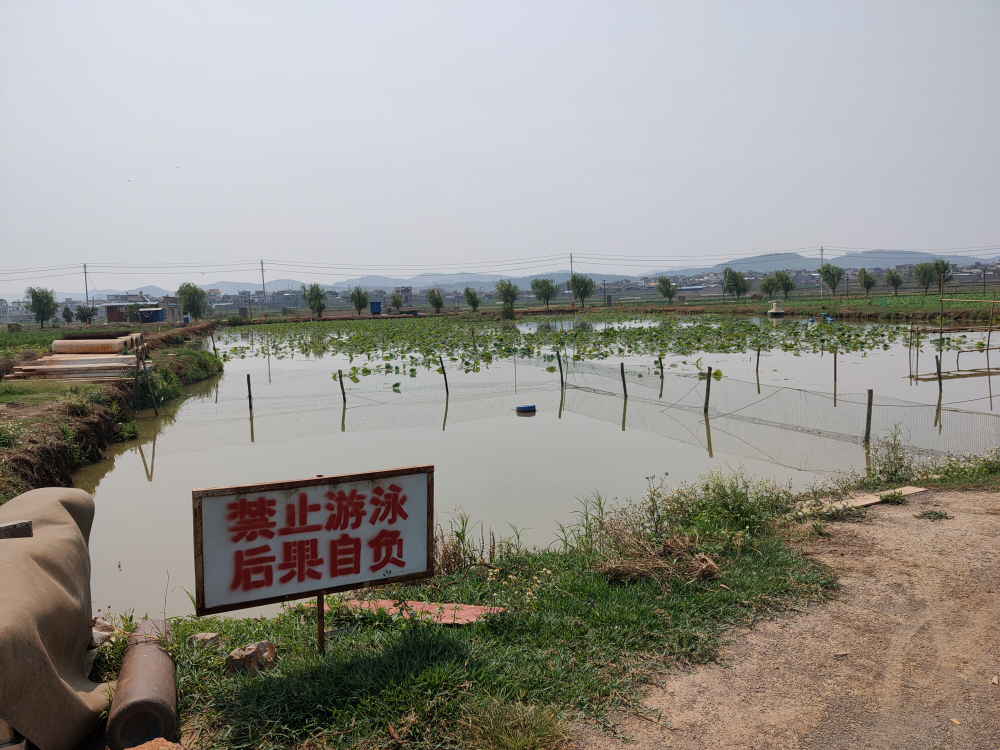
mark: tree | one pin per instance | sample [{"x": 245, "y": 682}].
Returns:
[
  {"x": 194, "y": 301},
  {"x": 435, "y": 299},
  {"x": 784, "y": 281},
  {"x": 359, "y": 299},
  {"x": 866, "y": 280},
  {"x": 926, "y": 274},
  {"x": 769, "y": 286},
  {"x": 132, "y": 312},
  {"x": 315, "y": 298},
  {"x": 472, "y": 298},
  {"x": 67, "y": 314},
  {"x": 582, "y": 286},
  {"x": 666, "y": 288},
  {"x": 544, "y": 289},
  {"x": 942, "y": 268},
  {"x": 831, "y": 276},
  {"x": 43, "y": 303},
  {"x": 894, "y": 280},
  {"x": 396, "y": 300},
  {"x": 86, "y": 314},
  {"x": 507, "y": 293},
  {"x": 734, "y": 283}
]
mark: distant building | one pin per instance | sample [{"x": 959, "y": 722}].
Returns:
[{"x": 406, "y": 292}]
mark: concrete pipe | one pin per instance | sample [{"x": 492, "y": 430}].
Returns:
[
  {"x": 88, "y": 346},
  {"x": 145, "y": 702}
]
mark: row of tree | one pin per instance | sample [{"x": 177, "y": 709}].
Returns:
[{"x": 926, "y": 275}]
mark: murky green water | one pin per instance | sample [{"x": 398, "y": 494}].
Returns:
[{"x": 498, "y": 467}]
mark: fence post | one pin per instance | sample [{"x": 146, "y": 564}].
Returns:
[
  {"x": 320, "y": 624},
  {"x": 708, "y": 388},
  {"x": 441, "y": 360},
  {"x": 340, "y": 379},
  {"x": 868, "y": 421},
  {"x": 624, "y": 387},
  {"x": 249, "y": 393}
]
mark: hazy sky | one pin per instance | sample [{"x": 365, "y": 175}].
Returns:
[{"x": 418, "y": 133}]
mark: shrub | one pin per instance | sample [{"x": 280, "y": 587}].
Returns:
[
  {"x": 127, "y": 431},
  {"x": 9, "y": 432},
  {"x": 235, "y": 320},
  {"x": 76, "y": 405}
]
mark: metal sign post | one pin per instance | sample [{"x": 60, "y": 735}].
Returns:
[{"x": 280, "y": 541}]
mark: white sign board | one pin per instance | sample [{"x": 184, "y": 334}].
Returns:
[{"x": 263, "y": 543}]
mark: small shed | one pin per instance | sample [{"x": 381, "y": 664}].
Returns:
[
  {"x": 376, "y": 308},
  {"x": 151, "y": 315}
]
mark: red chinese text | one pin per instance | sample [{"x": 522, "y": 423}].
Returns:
[
  {"x": 345, "y": 556},
  {"x": 297, "y": 517},
  {"x": 347, "y": 509},
  {"x": 252, "y": 517},
  {"x": 385, "y": 543},
  {"x": 299, "y": 557},
  {"x": 253, "y": 568},
  {"x": 388, "y": 504}
]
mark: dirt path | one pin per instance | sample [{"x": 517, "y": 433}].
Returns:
[{"x": 902, "y": 659}]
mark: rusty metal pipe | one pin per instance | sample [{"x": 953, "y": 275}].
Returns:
[{"x": 145, "y": 702}]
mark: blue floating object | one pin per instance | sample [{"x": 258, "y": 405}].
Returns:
[
  {"x": 526, "y": 409},
  {"x": 812, "y": 320}
]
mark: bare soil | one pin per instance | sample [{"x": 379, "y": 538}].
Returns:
[{"x": 902, "y": 659}]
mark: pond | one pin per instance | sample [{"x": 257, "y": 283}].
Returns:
[{"x": 501, "y": 469}]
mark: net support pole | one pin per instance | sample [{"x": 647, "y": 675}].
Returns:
[
  {"x": 562, "y": 381},
  {"x": 441, "y": 360},
  {"x": 340, "y": 379},
  {"x": 624, "y": 387},
  {"x": 708, "y": 388},
  {"x": 868, "y": 419},
  {"x": 249, "y": 393},
  {"x": 937, "y": 363}
]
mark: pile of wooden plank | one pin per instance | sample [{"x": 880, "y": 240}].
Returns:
[{"x": 97, "y": 360}]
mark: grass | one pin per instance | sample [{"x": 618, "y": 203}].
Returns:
[
  {"x": 629, "y": 593},
  {"x": 932, "y": 515}
]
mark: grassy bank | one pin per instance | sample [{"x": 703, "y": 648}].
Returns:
[
  {"x": 625, "y": 594},
  {"x": 50, "y": 428}
]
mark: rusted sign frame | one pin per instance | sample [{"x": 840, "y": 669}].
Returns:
[{"x": 371, "y": 476}]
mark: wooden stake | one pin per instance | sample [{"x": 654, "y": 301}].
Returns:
[
  {"x": 708, "y": 391},
  {"x": 868, "y": 421},
  {"x": 340, "y": 378},
  {"x": 441, "y": 360},
  {"x": 321, "y": 623},
  {"x": 562, "y": 382},
  {"x": 624, "y": 387},
  {"x": 249, "y": 393},
  {"x": 757, "y": 369},
  {"x": 937, "y": 362}
]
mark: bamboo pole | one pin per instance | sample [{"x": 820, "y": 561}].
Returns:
[
  {"x": 624, "y": 387},
  {"x": 708, "y": 391},
  {"x": 340, "y": 379}
]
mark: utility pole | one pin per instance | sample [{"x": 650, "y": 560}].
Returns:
[
  {"x": 821, "y": 264},
  {"x": 569, "y": 284},
  {"x": 86, "y": 289},
  {"x": 263, "y": 290}
]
